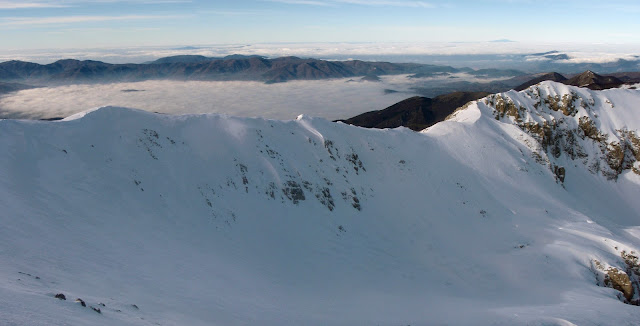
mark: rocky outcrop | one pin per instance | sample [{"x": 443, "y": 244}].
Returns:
[
  {"x": 566, "y": 124},
  {"x": 625, "y": 279}
]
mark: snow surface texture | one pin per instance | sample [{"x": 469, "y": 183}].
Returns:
[{"x": 213, "y": 220}]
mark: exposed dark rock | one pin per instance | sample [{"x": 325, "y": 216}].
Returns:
[
  {"x": 60, "y": 296},
  {"x": 559, "y": 172},
  {"x": 416, "y": 113},
  {"x": 96, "y": 309},
  {"x": 81, "y": 302},
  {"x": 352, "y": 198},
  {"x": 293, "y": 191},
  {"x": 323, "y": 194}
]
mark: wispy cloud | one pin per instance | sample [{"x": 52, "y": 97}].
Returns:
[
  {"x": 150, "y": 2},
  {"x": 236, "y": 12},
  {"x": 303, "y": 2},
  {"x": 379, "y": 3},
  {"x": 60, "y": 20},
  {"x": 414, "y": 4},
  {"x": 30, "y": 4},
  {"x": 20, "y": 4}
]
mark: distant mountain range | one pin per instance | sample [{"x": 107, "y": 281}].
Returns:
[{"x": 235, "y": 67}]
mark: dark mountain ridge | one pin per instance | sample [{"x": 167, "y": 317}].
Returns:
[
  {"x": 587, "y": 79},
  {"x": 553, "y": 76},
  {"x": 591, "y": 80},
  {"x": 416, "y": 113}
]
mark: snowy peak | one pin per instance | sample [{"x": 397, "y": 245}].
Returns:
[{"x": 569, "y": 125}]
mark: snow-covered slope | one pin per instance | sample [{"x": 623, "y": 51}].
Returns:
[{"x": 215, "y": 220}]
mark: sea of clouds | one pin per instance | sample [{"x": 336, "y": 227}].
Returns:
[{"x": 330, "y": 99}]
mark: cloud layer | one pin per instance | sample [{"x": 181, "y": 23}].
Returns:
[
  {"x": 331, "y": 99},
  {"x": 428, "y": 52}
]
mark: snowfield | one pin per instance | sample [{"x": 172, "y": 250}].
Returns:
[{"x": 215, "y": 220}]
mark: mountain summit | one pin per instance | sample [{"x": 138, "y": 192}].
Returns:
[{"x": 552, "y": 76}]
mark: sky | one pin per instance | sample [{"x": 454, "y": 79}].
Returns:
[{"x": 49, "y": 24}]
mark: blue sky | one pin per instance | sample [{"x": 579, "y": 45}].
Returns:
[{"x": 39, "y": 24}]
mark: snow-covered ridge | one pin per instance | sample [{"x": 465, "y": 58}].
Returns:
[
  {"x": 570, "y": 125},
  {"x": 207, "y": 219}
]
